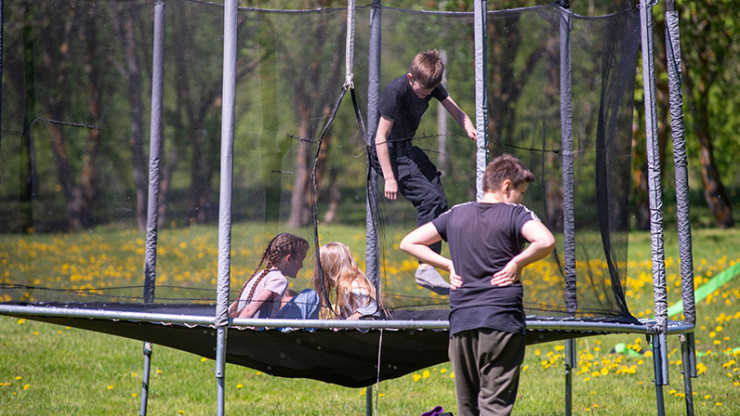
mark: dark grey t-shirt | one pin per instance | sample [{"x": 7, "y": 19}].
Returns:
[
  {"x": 400, "y": 104},
  {"x": 482, "y": 238}
]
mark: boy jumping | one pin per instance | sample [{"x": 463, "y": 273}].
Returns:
[{"x": 406, "y": 169}]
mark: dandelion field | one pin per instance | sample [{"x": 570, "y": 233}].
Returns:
[{"x": 49, "y": 369}]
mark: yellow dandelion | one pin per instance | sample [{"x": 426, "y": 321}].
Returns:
[
  {"x": 203, "y": 359},
  {"x": 238, "y": 386},
  {"x": 604, "y": 371},
  {"x": 110, "y": 387},
  {"x": 417, "y": 377},
  {"x": 426, "y": 374},
  {"x": 26, "y": 386}
]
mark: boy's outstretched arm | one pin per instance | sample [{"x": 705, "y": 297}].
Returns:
[
  {"x": 541, "y": 244},
  {"x": 462, "y": 119},
  {"x": 384, "y": 157},
  {"x": 417, "y": 244}
]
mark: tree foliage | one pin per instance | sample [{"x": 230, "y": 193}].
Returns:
[{"x": 77, "y": 79}]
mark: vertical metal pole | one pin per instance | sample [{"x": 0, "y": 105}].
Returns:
[
  {"x": 481, "y": 93},
  {"x": 654, "y": 186},
  {"x": 566, "y": 139},
  {"x": 442, "y": 125},
  {"x": 570, "y": 363},
  {"x": 369, "y": 400},
  {"x": 146, "y": 377},
  {"x": 658, "y": 372},
  {"x": 680, "y": 160},
  {"x": 687, "y": 352},
  {"x": 224, "y": 214},
  {"x": 155, "y": 154},
  {"x": 569, "y": 235},
  {"x": 372, "y": 257}
]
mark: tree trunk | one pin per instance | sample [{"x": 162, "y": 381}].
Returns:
[
  {"x": 83, "y": 202},
  {"x": 132, "y": 73},
  {"x": 714, "y": 190},
  {"x": 27, "y": 165},
  {"x": 300, "y": 181}
]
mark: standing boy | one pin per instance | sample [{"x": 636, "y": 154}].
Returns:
[
  {"x": 406, "y": 168},
  {"x": 487, "y": 321}
]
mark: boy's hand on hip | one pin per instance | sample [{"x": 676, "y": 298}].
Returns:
[
  {"x": 391, "y": 189},
  {"x": 455, "y": 279},
  {"x": 506, "y": 276}
]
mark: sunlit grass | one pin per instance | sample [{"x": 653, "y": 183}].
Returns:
[{"x": 49, "y": 369}]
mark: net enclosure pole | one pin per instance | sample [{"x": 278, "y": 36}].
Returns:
[
  {"x": 372, "y": 258},
  {"x": 481, "y": 93},
  {"x": 569, "y": 240},
  {"x": 224, "y": 212},
  {"x": 680, "y": 161},
  {"x": 155, "y": 162},
  {"x": 660, "y": 360}
]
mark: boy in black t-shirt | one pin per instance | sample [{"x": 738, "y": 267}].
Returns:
[
  {"x": 406, "y": 168},
  {"x": 487, "y": 321}
]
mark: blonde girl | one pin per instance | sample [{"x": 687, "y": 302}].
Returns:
[
  {"x": 261, "y": 294},
  {"x": 349, "y": 291}
]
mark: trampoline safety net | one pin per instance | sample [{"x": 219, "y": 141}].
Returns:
[{"x": 74, "y": 151}]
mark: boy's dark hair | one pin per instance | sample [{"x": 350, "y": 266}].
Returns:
[
  {"x": 505, "y": 167},
  {"x": 427, "y": 68}
]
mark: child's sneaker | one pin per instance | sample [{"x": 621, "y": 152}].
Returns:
[{"x": 430, "y": 278}]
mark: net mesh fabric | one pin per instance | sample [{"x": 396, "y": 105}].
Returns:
[{"x": 290, "y": 72}]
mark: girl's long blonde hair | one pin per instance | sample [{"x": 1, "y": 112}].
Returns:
[
  {"x": 340, "y": 272},
  {"x": 278, "y": 248}
]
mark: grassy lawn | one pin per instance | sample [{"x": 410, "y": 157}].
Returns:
[{"x": 50, "y": 369}]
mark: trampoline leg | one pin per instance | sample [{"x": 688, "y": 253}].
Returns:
[
  {"x": 145, "y": 383},
  {"x": 221, "y": 368},
  {"x": 658, "y": 371},
  {"x": 689, "y": 369},
  {"x": 369, "y": 400},
  {"x": 570, "y": 362}
]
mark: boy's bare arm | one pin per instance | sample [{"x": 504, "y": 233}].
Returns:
[
  {"x": 462, "y": 119},
  {"x": 384, "y": 158},
  {"x": 541, "y": 244},
  {"x": 417, "y": 244}
]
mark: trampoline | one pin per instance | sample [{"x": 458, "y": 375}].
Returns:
[{"x": 261, "y": 112}]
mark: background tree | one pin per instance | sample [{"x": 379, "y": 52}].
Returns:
[{"x": 709, "y": 33}]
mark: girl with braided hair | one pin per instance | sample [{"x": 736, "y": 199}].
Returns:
[{"x": 261, "y": 294}]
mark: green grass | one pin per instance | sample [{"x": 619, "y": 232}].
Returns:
[{"x": 49, "y": 369}]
